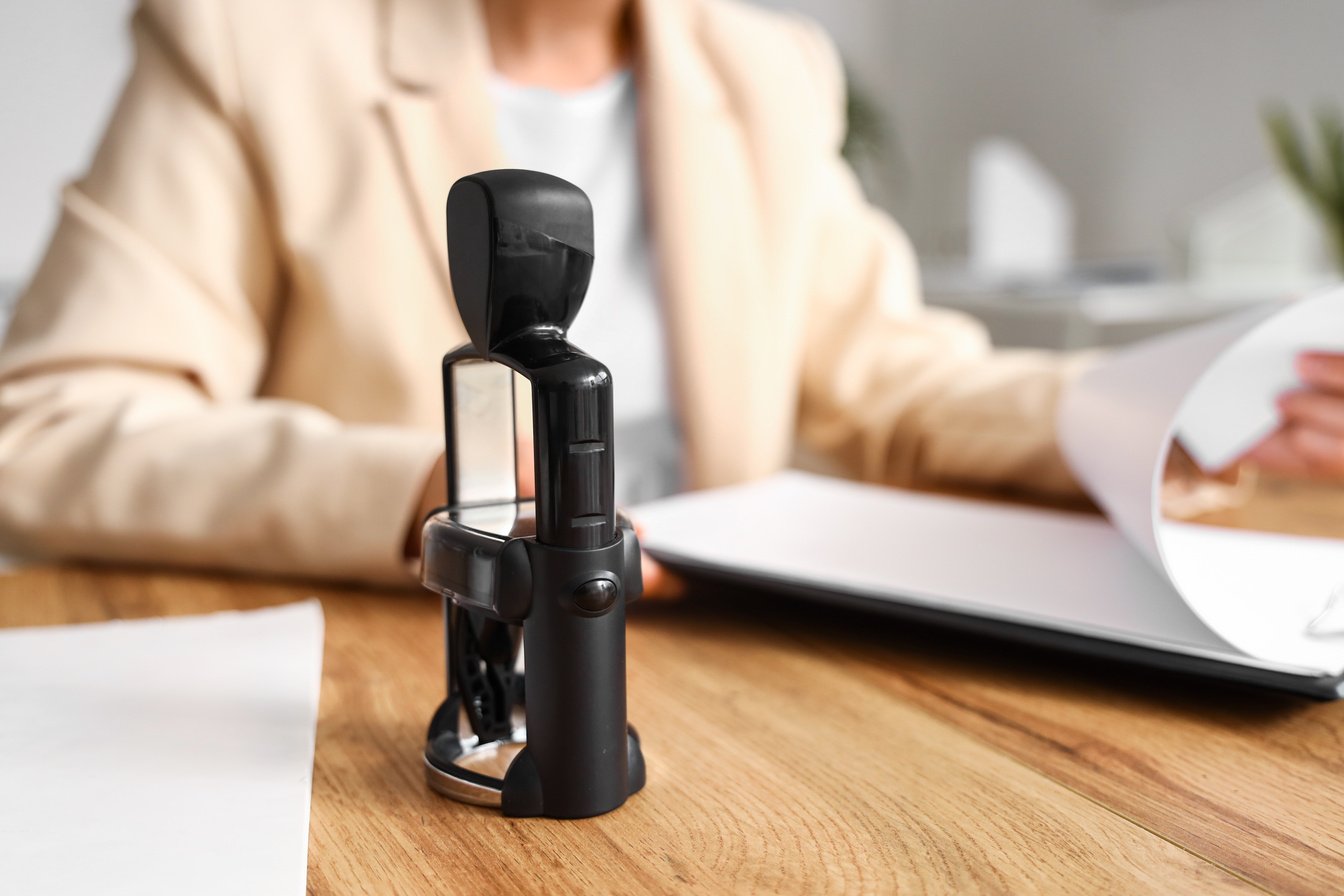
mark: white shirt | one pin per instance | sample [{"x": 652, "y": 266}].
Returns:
[{"x": 589, "y": 138}]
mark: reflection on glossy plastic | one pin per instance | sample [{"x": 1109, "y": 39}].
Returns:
[{"x": 484, "y": 448}]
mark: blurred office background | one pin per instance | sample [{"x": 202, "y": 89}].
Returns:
[
  {"x": 62, "y": 64},
  {"x": 1073, "y": 171}
]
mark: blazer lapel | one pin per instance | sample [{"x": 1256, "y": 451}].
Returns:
[
  {"x": 438, "y": 112},
  {"x": 703, "y": 213}
]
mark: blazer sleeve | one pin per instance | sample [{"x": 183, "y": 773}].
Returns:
[
  {"x": 130, "y": 429},
  {"x": 897, "y": 392}
]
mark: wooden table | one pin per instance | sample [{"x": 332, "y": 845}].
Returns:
[{"x": 793, "y": 749}]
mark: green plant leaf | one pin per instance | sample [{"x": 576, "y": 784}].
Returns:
[
  {"x": 1331, "y": 128},
  {"x": 1286, "y": 142},
  {"x": 1322, "y": 183}
]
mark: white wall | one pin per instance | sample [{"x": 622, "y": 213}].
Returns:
[
  {"x": 62, "y": 63},
  {"x": 1140, "y": 107}
]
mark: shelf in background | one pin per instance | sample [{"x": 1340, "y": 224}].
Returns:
[{"x": 1080, "y": 313}]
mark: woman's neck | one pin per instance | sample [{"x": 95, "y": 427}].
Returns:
[{"x": 558, "y": 44}]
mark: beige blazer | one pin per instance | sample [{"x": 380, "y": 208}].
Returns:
[{"x": 229, "y": 356}]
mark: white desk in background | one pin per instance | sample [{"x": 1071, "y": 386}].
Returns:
[{"x": 1076, "y": 314}]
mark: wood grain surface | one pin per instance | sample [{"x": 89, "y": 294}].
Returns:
[
  {"x": 1290, "y": 506},
  {"x": 793, "y": 749}
]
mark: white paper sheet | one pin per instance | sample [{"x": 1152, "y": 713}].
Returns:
[
  {"x": 1259, "y": 590},
  {"x": 164, "y": 756}
]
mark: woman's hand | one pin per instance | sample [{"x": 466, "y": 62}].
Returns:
[
  {"x": 1309, "y": 442},
  {"x": 659, "y": 584}
]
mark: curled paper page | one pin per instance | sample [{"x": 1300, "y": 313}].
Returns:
[
  {"x": 1115, "y": 422},
  {"x": 1211, "y": 391}
]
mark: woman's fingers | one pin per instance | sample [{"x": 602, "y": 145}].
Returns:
[
  {"x": 1322, "y": 451},
  {"x": 1322, "y": 370},
  {"x": 659, "y": 584},
  {"x": 1278, "y": 455},
  {"x": 1310, "y": 439},
  {"x": 1314, "y": 409}
]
